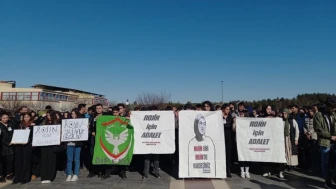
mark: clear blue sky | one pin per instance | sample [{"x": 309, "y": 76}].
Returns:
[{"x": 260, "y": 48}]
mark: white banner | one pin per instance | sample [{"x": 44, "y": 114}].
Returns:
[
  {"x": 20, "y": 136},
  {"x": 154, "y": 132},
  {"x": 75, "y": 130},
  {"x": 261, "y": 140},
  {"x": 201, "y": 145},
  {"x": 47, "y": 135}
]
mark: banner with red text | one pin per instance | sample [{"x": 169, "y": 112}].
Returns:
[
  {"x": 201, "y": 145},
  {"x": 154, "y": 132},
  {"x": 260, "y": 139}
]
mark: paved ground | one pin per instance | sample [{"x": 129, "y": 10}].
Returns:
[{"x": 293, "y": 179}]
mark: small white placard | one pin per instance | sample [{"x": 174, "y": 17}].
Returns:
[{"x": 20, "y": 136}]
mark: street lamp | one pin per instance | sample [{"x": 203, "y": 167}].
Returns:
[
  {"x": 127, "y": 102},
  {"x": 222, "y": 92}
]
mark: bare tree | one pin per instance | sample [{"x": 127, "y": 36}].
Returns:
[
  {"x": 113, "y": 103},
  {"x": 11, "y": 105},
  {"x": 36, "y": 106},
  {"x": 149, "y": 99}
]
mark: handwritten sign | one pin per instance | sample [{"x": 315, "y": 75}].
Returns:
[
  {"x": 75, "y": 130},
  {"x": 20, "y": 136},
  {"x": 47, "y": 135}
]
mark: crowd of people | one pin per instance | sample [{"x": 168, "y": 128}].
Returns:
[
  {"x": 309, "y": 133},
  {"x": 310, "y": 137}
]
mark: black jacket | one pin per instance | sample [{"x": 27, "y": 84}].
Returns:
[
  {"x": 81, "y": 115},
  {"x": 39, "y": 120},
  {"x": 6, "y": 138},
  {"x": 228, "y": 123}
]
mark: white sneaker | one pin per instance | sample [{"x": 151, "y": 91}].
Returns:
[
  {"x": 266, "y": 174},
  {"x": 281, "y": 175},
  {"x": 242, "y": 175},
  {"x": 74, "y": 178},
  {"x": 68, "y": 178},
  {"x": 247, "y": 175},
  {"x": 46, "y": 182}
]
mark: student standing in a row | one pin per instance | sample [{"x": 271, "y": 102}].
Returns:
[
  {"x": 73, "y": 155},
  {"x": 7, "y": 152},
  {"x": 23, "y": 153},
  {"x": 48, "y": 156}
]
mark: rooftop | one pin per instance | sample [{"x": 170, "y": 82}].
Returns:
[{"x": 62, "y": 89}]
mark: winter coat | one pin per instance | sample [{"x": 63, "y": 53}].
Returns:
[
  {"x": 309, "y": 128},
  {"x": 6, "y": 134},
  {"x": 321, "y": 128}
]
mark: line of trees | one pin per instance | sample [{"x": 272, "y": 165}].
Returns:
[
  {"x": 302, "y": 100},
  {"x": 161, "y": 100}
]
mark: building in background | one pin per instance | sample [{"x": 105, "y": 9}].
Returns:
[{"x": 39, "y": 96}]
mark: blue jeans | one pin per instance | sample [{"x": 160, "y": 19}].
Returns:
[
  {"x": 73, "y": 154},
  {"x": 326, "y": 152}
]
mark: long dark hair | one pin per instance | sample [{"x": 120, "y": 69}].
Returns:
[
  {"x": 31, "y": 114},
  {"x": 76, "y": 112},
  {"x": 53, "y": 118},
  {"x": 59, "y": 115},
  {"x": 209, "y": 104},
  {"x": 68, "y": 113},
  {"x": 26, "y": 124},
  {"x": 3, "y": 114},
  {"x": 264, "y": 110}
]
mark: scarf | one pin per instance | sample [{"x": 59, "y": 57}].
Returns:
[
  {"x": 25, "y": 124},
  {"x": 287, "y": 125}
]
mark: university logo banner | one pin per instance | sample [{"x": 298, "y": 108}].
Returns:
[
  {"x": 261, "y": 140},
  {"x": 201, "y": 145},
  {"x": 154, "y": 132},
  {"x": 114, "y": 141}
]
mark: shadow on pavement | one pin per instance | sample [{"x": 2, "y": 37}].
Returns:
[
  {"x": 266, "y": 186},
  {"x": 310, "y": 173},
  {"x": 296, "y": 181}
]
